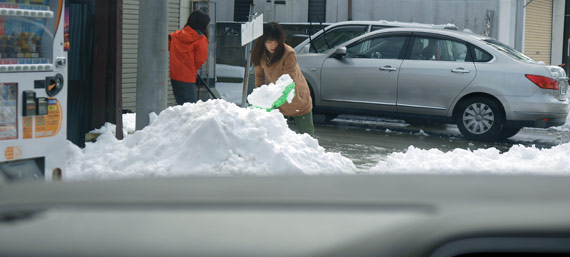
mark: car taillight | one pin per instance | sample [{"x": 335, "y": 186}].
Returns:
[{"x": 543, "y": 82}]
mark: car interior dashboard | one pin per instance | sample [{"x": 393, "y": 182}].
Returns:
[{"x": 380, "y": 215}]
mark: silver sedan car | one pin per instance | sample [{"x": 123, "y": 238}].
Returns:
[{"x": 487, "y": 88}]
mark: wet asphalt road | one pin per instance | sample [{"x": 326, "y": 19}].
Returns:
[{"x": 366, "y": 140}]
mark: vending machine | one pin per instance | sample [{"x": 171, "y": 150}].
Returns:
[{"x": 33, "y": 93}]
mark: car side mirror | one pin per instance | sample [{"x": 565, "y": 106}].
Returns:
[{"x": 340, "y": 52}]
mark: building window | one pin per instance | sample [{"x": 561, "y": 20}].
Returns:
[
  {"x": 241, "y": 10},
  {"x": 317, "y": 11}
]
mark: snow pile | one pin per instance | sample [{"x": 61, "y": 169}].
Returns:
[
  {"x": 107, "y": 128},
  {"x": 518, "y": 160},
  {"x": 129, "y": 123},
  {"x": 265, "y": 95},
  {"x": 206, "y": 138}
]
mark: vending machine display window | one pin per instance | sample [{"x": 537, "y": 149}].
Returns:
[
  {"x": 26, "y": 35},
  {"x": 8, "y": 111}
]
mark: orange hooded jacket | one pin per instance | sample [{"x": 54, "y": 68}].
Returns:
[{"x": 188, "y": 52}]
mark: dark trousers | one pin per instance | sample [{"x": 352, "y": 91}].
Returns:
[
  {"x": 184, "y": 92},
  {"x": 305, "y": 124}
]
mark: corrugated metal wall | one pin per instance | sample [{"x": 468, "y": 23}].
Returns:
[
  {"x": 538, "y": 30},
  {"x": 130, "y": 45}
]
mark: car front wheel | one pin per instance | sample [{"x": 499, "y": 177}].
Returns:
[
  {"x": 508, "y": 132},
  {"x": 479, "y": 118}
]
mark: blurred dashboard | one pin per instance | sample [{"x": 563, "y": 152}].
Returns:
[{"x": 383, "y": 215}]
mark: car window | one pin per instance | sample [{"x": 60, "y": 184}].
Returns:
[
  {"x": 377, "y": 27},
  {"x": 425, "y": 48},
  {"x": 377, "y": 48},
  {"x": 336, "y": 36},
  {"x": 481, "y": 56},
  {"x": 509, "y": 51}
]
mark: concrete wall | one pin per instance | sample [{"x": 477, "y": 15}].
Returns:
[
  {"x": 225, "y": 10},
  {"x": 501, "y": 19},
  {"x": 507, "y": 22},
  {"x": 291, "y": 11}
]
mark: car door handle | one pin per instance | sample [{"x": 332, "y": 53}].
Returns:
[
  {"x": 460, "y": 70},
  {"x": 388, "y": 68},
  {"x": 313, "y": 69}
]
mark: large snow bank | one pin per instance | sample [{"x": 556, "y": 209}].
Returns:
[{"x": 206, "y": 138}]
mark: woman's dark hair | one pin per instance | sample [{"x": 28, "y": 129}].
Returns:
[
  {"x": 198, "y": 21},
  {"x": 271, "y": 31}
]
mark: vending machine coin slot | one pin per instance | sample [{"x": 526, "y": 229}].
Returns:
[
  {"x": 50, "y": 83},
  {"x": 42, "y": 104},
  {"x": 29, "y": 108},
  {"x": 54, "y": 84}
]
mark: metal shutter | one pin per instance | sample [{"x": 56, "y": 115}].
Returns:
[
  {"x": 538, "y": 30},
  {"x": 130, "y": 46}
]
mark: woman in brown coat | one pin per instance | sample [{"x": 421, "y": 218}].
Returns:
[{"x": 273, "y": 58}]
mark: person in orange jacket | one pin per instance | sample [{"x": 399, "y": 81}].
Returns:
[{"x": 188, "y": 52}]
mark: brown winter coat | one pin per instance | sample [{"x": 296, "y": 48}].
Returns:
[{"x": 302, "y": 102}]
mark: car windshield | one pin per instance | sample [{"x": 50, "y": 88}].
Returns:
[
  {"x": 198, "y": 130},
  {"x": 511, "y": 52}
]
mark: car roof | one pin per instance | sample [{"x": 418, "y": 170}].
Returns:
[{"x": 395, "y": 24}]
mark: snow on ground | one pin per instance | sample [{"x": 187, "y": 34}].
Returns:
[
  {"x": 518, "y": 160},
  {"x": 206, "y": 138}
]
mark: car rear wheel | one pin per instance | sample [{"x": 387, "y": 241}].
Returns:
[{"x": 479, "y": 118}]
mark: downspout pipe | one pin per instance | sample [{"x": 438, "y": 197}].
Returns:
[{"x": 349, "y": 10}]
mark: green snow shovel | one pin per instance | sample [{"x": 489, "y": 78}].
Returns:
[{"x": 281, "y": 100}]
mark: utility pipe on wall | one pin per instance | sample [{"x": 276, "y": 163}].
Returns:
[{"x": 349, "y": 10}]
